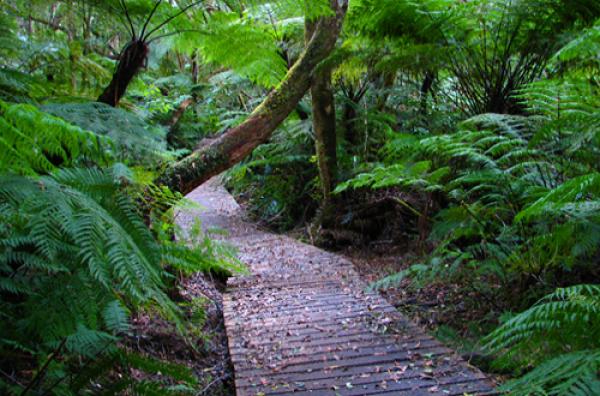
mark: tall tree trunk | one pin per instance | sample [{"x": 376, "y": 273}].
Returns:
[
  {"x": 323, "y": 111},
  {"x": 195, "y": 68},
  {"x": 132, "y": 59},
  {"x": 349, "y": 119},
  {"x": 235, "y": 144}
]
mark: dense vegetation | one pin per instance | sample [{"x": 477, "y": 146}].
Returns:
[{"x": 466, "y": 131}]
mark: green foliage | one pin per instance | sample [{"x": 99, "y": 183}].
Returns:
[
  {"x": 34, "y": 142},
  {"x": 582, "y": 51},
  {"x": 507, "y": 206},
  {"x": 18, "y": 87},
  {"x": 569, "y": 111},
  {"x": 9, "y": 43},
  {"x": 407, "y": 176},
  {"x": 562, "y": 330},
  {"x": 79, "y": 227},
  {"x": 520, "y": 212},
  {"x": 279, "y": 178},
  {"x": 244, "y": 46},
  {"x": 135, "y": 141}
]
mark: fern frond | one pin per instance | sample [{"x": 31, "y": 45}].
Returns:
[
  {"x": 572, "y": 191},
  {"x": 569, "y": 374},
  {"x": 34, "y": 142}
]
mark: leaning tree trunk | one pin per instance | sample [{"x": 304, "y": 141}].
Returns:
[
  {"x": 132, "y": 59},
  {"x": 235, "y": 144}
]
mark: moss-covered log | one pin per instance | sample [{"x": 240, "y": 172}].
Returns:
[{"x": 235, "y": 144}]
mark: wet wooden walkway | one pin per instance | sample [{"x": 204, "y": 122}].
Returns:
[{"x": 302, "y": 323}]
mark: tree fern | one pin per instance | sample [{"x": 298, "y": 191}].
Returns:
[
  {"x": 79, "y": 227},
  {"x": 226, "y": 40},
  {"x": 567, "y": 197},
  {"x": 562, "y": 330},
  {"x": 16, "y": 86},
  {"x": 36, "y": 142},
  {"x": 569, "y": 111},
  {"x": 135, "y": 141}
]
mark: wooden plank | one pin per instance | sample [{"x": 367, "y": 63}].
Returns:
[
  {"x": 302, "y": 324},
  {"x": 399, "y": 381}
]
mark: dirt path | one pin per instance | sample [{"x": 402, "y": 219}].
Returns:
[{"x": 303, "y": 323}]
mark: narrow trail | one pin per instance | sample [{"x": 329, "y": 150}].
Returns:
[{"x": 302, "y": 323}]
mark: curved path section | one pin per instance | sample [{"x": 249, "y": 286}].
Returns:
[{"x": 302, "y": 323}]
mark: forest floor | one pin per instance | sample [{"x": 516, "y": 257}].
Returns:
[
  {"x": 456, "y": 316},
  {"x": 203, "y": 349}
]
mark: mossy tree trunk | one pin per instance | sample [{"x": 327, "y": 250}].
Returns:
[
  {"x": 234, "y": 145},
  {"x": 323, "y": 112}
]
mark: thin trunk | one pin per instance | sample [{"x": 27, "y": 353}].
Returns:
[
  {"x": 348, "y": 119},
  {"x": 180, "y": 62},
  {"x": 425, "y": 88},
  {"x": 131, "y": 61},
  {"x": 388, "y": 80},
  {"x": 177, "y": 114},
  {"x": 235, "y": 144},
  {"x": 195, "y": 68}
]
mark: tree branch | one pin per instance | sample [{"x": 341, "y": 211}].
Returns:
[{"x": 235, "y": 144}]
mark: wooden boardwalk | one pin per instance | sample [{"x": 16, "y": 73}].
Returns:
[{"x": 303, "y": 324}]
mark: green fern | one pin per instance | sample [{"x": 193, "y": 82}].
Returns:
[
  {"x": 79, "y": 227},
  {"x": 134, "y": 141},
  {"x": 243, "y": 45},
  {"x": 562, "y": 330},
  {"x": 19, "y": 87},
  {"x": 573, "y": 198},
  {"x": 33, "y": 142}
]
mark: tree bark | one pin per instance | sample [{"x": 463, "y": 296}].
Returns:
[
  {"x": 131, "y": 61},
  {"x": 195, "y": 68},
  {"x": 235, "y": 144},
  {"x": 424, "y": 91},
  {"x": 323, "y": 112},
  {"x": 348, "y": 120}
]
